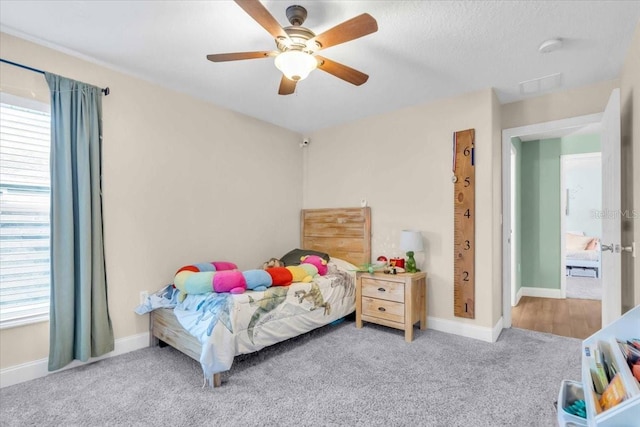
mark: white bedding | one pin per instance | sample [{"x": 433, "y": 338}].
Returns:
[
  {"x": 579, "y": 260},
  {"x": 583, "y": 255},
  {"x": 231, "y": 324}
]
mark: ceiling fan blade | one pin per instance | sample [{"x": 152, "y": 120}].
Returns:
[
  {"x": 352, "y": 29},
  {"x": 287, "y": 86},
  {"x": 236, "y": 56},
  {"x": 257, "y": 11},
  {"x": 341, "y": 71}
]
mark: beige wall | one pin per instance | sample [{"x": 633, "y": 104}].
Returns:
[
  {"x": 630, "y": 132},
  {"x": 560, "y": 105},
  {"x": 183, "y": 182},
  {"x": 401, "y": 163}
]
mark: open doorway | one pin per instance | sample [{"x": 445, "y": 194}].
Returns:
[
  {"x": 611, "y": 304},
  {"x": 534, "y": 243}
]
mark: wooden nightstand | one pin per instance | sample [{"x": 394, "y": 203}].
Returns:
[{"x": 394, "y": 300}]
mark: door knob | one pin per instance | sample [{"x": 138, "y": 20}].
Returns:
[
  {"x": 607, "y": 248},
  {"x": 618, "y": 248},
  {"x": 631, "y": 249}
]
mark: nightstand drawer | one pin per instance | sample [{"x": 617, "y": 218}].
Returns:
[
  {"x": 391, "y": 291},
  {"x": 382, "y": 309}
]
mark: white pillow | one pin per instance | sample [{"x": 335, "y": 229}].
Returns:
[
  {"x": 343, "y": 265},
  {"x": 575, "y": 242}
]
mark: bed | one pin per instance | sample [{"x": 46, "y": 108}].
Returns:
[
  {"x": 582, "y": 255},
  {"x": 214, "y": 328}
]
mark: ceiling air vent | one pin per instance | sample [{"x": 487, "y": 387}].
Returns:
[{"x": 541, "y": 84}]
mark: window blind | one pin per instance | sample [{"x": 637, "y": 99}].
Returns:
[{"x": 24, "y": 214}]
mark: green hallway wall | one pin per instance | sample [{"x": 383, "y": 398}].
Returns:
[{"x": 539, "y": 213}]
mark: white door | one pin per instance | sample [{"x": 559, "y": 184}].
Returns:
[
  {"x": 513, "y": 236},
  {"x": 611, "y": 212}
]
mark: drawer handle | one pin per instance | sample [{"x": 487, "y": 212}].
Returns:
[
  {"x": 382, "y": 309},
  {"x": 382, "y": 290}
]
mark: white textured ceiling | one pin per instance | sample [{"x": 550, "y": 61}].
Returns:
[{"x": 423, "y": 50}]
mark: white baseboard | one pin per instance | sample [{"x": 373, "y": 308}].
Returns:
[
  {"x": 541, "y": 292},
  {"x": 39, "y": 368},
  {"x": 482, "y": 333},
  {"x": 497, "y": 329},
  {"x": 518, "y": 296}
]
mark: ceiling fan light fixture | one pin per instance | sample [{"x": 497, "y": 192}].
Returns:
[
  {"x": 297, "y": 46},
  {"x": 295, "y": 65}
]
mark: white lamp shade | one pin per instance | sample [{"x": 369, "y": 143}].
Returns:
[
  {"x": 296, "y": 65},
  {"x": 411, "y": 240}
]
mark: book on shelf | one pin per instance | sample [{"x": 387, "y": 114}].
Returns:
[
  {"x": 598, "y": 374},
  {"x": 613, "y": 394},
  {"x": 607, "y": 363}
]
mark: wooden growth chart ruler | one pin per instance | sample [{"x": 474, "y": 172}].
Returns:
[{"x": 464, "y": 211}]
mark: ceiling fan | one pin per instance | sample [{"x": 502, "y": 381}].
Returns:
[{"x": 297, "y": 46}]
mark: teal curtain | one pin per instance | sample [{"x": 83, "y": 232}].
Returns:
[{"x": 80, "y": 326}]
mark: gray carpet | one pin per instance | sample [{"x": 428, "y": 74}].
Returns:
[
  {"x": 335, "y": 376},
  {"x": 584, "y": 288}
]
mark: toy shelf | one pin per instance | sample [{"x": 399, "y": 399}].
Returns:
[{"x": 627, "y": 412}]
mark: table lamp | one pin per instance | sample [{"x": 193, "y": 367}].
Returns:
[{"x": 411, "y": 241}]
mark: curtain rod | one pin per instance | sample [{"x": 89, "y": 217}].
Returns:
[{"x": 105, "y": 90}]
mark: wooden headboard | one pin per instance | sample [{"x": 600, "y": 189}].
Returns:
[{"x": 343, "y": 233}]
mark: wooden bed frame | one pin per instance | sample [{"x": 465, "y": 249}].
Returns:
[{"x": 343, "y": 233}]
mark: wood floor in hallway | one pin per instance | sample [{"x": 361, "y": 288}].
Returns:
[{"x": 577, "y": 318}]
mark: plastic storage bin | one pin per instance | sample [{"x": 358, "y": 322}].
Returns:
[
  {"x": 570, "y": 391},
  {"x": 627, "y": 412}
]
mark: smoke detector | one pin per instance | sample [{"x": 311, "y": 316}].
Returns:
[{"x": 550, "y": 45}]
